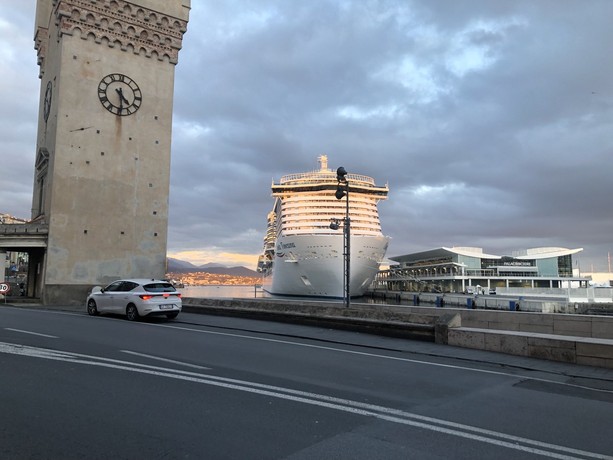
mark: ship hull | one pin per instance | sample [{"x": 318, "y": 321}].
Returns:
[{"x": 313, "y": 265}]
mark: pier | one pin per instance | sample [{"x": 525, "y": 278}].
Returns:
[{"x": 571, "y": 301}]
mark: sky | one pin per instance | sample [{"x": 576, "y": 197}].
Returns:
[{"x": 490, "y": 120}]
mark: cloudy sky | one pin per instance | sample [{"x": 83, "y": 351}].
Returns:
[{"x": 491, "y": 120}]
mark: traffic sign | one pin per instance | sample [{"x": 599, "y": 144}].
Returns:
[{"x": 4, "y": 288}]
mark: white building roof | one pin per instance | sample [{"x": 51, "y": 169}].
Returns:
[
  {"x": 471, "y": 252},
  {"x": 524, "y": 254},
  {"x": 544, "y": 253}
]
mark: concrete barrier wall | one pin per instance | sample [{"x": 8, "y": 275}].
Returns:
[
  {"x": 580, "y": 339},
  {"x": 568, "y": 349},
  {"x": 545, "y": 323},
  {"x": 393, "y": 321},
  {"x": 570, "y": 338}
]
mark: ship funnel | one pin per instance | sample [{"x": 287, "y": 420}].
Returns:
[{"x": 323, "y": 162}]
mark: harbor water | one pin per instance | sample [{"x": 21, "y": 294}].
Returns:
[
  {"x": 251, "y": 292},
  {"x": 223, "y": 292}
]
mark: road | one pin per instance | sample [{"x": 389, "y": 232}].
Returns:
[{"x": 74, "y": 386}]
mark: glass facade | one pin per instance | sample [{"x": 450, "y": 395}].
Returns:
[
  {"x": 565, "y": 265},
  {"x": 460, "y": 269}
]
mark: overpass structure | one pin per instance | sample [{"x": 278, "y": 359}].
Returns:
[{"x": 29, "y": 238}]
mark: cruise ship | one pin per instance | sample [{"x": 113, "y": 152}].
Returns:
[{"x": 303, "y": 253}]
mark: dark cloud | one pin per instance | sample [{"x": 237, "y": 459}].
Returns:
[{"x": 489, "y": 120}]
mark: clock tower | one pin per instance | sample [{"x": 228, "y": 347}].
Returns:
[{"x": 102, "y": 174}]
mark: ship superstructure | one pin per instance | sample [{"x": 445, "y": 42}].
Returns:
[{"x": 303, "y": 255}]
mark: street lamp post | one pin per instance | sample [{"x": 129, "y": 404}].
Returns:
[{"x": 342, "y": 190}]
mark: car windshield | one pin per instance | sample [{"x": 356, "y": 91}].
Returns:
[{"x": 159, "y": 287}]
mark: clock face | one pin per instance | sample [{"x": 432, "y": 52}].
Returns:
[
  {"x": 119, "y": 94},
  {"x": 47, "y": 104}
]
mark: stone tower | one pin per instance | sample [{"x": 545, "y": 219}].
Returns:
[{"x": 102, "y": 174}]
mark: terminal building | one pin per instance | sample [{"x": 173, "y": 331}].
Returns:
[{"x": 470, "y": 270}]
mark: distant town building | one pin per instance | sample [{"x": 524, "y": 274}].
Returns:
[
  {"x": 13, "y": 262},
  {"x": 470, "y": 270},
  {"x": 8, "y": 219},
  {"x": 599, "y": 279}
]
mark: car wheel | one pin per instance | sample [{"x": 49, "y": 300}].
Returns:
[
  {"x": 92, "y": 309},
  {"x": 172, "y": 315},
  {"x": 132, "y": 312}
]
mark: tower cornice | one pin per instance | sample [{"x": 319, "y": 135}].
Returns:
[{"x": 117, "y": 24}]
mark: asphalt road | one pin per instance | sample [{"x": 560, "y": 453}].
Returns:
[{"x": 74, "y": 386}]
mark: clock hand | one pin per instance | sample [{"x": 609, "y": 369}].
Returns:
[{"x": 121, "y": 96}]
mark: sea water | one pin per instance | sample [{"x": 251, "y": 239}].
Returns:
[
  {"x": 223, "y": 292},
  {"x": 251, "y": 292}
]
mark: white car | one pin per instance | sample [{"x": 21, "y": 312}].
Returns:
[{"x": 135, "y": 298}]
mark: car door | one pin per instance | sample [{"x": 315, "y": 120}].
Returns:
[
  {"x": 107, "y": 299},
  {"x": 126, "y": 295}
]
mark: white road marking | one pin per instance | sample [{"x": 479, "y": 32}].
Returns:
[
  {"x": 345, "y": 405},
  {"x": 340, "y": 350},
  {"x": 166, "y": 360},
  {"x": 31, "y": 333},
  {"x": 393, "y": 358}
]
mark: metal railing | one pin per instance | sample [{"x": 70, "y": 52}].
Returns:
[{"x": 23, "y": 229}]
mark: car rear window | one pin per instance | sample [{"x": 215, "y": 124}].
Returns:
[{"x": 159, "y": 287}]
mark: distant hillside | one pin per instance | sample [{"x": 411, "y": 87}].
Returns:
[
  {"x": 211, "y": 265},
  {"x": 181, "y": 266},
  {"x": 177, "y": 265},
  {"x": 235, "y": 271}
]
